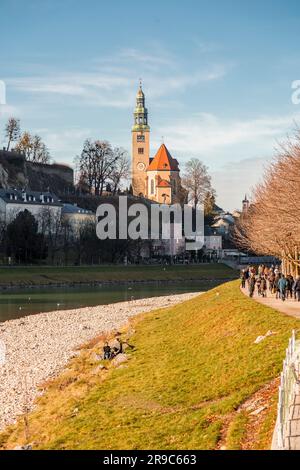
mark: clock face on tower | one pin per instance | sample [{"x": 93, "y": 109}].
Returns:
[{"x": 141, "y": 166}]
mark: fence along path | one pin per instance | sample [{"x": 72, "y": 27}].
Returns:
[{"x": 287, "y": 430}]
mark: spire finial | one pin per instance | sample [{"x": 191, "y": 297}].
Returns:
[{"x": 141, "y": 83}]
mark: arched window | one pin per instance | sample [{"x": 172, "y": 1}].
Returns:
[{"x": 152, "y": 187}]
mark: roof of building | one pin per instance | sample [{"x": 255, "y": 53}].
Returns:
[
  {"x": 140, "y": 93},
  {"x": 218, "y": 209},
  {"x": 209, "y": 231},
  {"x": 14, "y": 196},
  {"x": 73, "y": 209},
  {"x": 236, "y": 213},
  {"x": 163, "y": 161},
  {"x": 164, "y": 184}
]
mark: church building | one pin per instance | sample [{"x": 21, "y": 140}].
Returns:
[{"x": 158, "y": 178}]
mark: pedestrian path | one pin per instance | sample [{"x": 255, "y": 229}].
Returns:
[{"x": 289, "y": 306}]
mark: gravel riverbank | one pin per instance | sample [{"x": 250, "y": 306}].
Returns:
[{"x": 39, "y": 346}]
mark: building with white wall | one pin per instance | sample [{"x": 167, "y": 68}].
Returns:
[
  {"x": 13, "y": 201},
  {"x": 77, "y": 216}
]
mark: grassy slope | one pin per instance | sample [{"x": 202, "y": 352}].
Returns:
[
  {"x": 192, "y": 366},
  {"x": 48, "y": 275}
]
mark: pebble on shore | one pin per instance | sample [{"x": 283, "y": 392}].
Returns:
[{"x": 39, "y": 346}]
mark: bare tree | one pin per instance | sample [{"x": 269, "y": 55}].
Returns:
[
  {"x": 209, "y": 206},
  {"x": 121, "y": 169},
  {"x": 96, "y": 164},
  {"x": 67, "y": 238},
  {"x": 24, "y": 145},
  {"x": 50, "y": 225},
  {"x": 40, "y": 152},
  {"x": 12, "y": 131},
  {"x": 271, "y": 226},
  {"x": 33, "y": 148},
  {"x": 196, "y": 181}
]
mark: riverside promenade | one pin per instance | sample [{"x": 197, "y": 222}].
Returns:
[
  {"x": 289, "y": 306},
  {"x": 289, "y": 399}
]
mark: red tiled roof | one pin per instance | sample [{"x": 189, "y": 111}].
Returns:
[
  {"x": 163, "y": 184},
  {"x": 163, "y": 160}
]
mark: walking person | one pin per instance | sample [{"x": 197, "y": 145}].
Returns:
[
  {"x": 289, "y": 289},
  {"x": 243, "y": 278},
  {"x": 271, "y": 279},
  {"x": 258, "y": 284},
  {"x": 252, "y": 282},
  {"x": 296, "y": 288},
  {"x": 276, "y": 289},
  {"x": 282, "y": 285},
  {"x": 263, "y": 287}
]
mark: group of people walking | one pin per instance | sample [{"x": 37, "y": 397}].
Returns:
[{"x": 271, "y": 279}]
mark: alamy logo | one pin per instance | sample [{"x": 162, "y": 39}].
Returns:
[
  {"x": 2, "y": 353},
  {"x": 2, "y": 93},
  {"x": 151, "y": 222}
]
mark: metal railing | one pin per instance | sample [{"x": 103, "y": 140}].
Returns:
[{"x": 289, "y": 390}]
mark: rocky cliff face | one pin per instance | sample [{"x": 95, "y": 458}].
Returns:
[{"x": 16, "y": 172}]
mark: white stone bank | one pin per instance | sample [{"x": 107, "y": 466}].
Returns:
[{"x": 39, "y": 346}]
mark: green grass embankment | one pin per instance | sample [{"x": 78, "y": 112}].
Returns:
[{"x": 193, "y": 365}]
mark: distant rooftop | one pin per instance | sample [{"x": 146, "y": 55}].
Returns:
[
  {"x": 73, "y": 209},
  {"x": 13, "y": 196}
]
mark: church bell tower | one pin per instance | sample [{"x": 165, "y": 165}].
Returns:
[{"x": 140, "y": 146}]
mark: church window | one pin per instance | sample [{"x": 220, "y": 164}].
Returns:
[
  {"x": 152, "y": 187},
  {"x": 140, "y": 150}
]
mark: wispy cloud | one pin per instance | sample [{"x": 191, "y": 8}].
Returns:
[
  {"x": 8, "y": 110},
  {"x": 206, "y": 133},
  {"x": 65, "y": 144},
  {"x": 112, "y": 81},
  {"x": 157, "y": 58}
]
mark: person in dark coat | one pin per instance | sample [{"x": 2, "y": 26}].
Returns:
[
  {"x": 289, "y": 289},
  {"x": 276, "y": 289},
  {"x": 282, "y": 285},
  {"x": 263, "y": 286},
  {"x": 243, "y": 278},
  {"x": 296, "y": 288},
  {"x": 107, "y": 351}
]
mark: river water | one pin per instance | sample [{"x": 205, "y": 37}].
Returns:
[{"x": 16, "y": 303}]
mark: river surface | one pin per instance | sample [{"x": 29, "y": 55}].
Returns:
[{"x": 16, "y": 303}]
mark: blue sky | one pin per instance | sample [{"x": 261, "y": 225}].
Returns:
[{"x": 217, "y": 77}]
